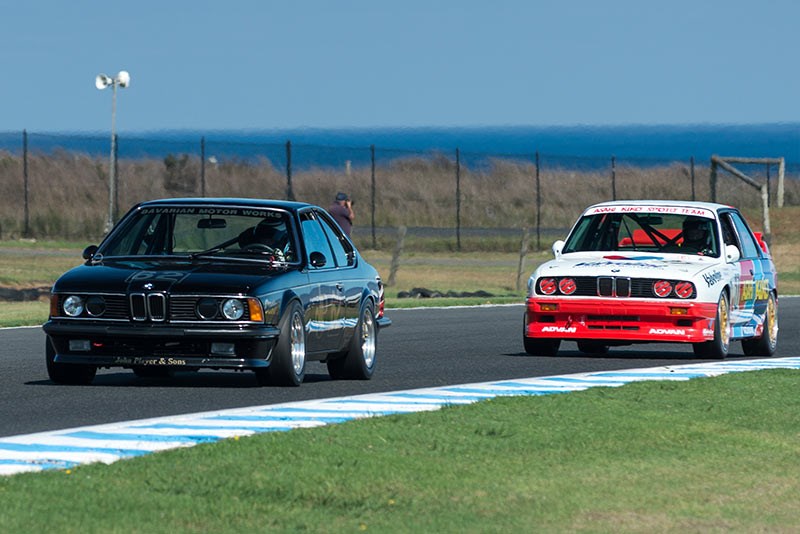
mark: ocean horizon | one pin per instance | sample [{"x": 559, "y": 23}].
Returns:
[{"x": 643, "y": 144}]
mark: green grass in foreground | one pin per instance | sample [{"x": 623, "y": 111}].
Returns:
[{"x": 707, "y": 455}]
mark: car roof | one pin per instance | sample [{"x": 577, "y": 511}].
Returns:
[{"x": 228, "y": 201}]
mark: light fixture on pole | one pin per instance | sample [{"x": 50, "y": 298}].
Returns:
[{"x": 123, "y": 79}]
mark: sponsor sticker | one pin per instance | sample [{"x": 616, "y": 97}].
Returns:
[
  {"x": 681, "y": 210},
  {"x": 712, "y": 278},
  {"x": 560, "y": 329},
  {"x": 668, "y": 331}
]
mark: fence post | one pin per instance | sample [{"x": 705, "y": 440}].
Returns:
[
  {"x": 712, "y": 179},
  {"x": 691, "y": 174},
  {"x": 538, "y": 206},
  {"x": 398, "y": 250},
  {"x": 458, "y": 200},
  {"x": 203, "y": 166},
  {"x": 372, "y": 158},
  {"x": 769, "y": 193},
  {"x": 781, "y": 173},
  {"x": 613, "y": 178},
  {"x": 523, "y": 251},
  {"x": 289, "y": 191},
  {"x": 765, "y": 214},
  {"x": 27, "y": 228}
]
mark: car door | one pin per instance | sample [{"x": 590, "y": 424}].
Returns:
[
  {"x": 350, "y": 281},
  {"x": 751, "y": 275},
  {"x": 324, "y": 311}
]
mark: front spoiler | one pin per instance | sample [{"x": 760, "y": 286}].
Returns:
[
  {"x": 620, "y": 320},
  {"x": 123, "y": 345}
]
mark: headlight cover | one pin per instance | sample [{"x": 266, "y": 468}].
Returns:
[
  {"x": 233, "y": 309},
  {"x": 73, "y": 305}
]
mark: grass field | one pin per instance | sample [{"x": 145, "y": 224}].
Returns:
[{"x": 706, "y": 455}]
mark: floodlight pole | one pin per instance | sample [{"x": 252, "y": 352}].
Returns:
[
  {"x": 101, "y": 82},
  {"x": 112, "y": 173}
]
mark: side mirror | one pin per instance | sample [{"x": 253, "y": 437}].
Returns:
[
  {"x": 318, "y": 259},
  {"x": 89, "y": 251},
  {"x": 558, "y": 246},
  {"x": 732, "y": 253}
]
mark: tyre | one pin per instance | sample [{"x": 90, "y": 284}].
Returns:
[
  {"x": 718, "y": 347},
  {"x": 67, "y": 373},
  {"x": 541, "y": 347},
  {"x": 592, "y": 347},
  {"x": 358, "y": 363},
  {"x": 768, "y": 342},
  {"x": 288, "y": 365}
]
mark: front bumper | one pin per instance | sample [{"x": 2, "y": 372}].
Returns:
[
  {"x": 620, "y": 320},
  {"x": 118, "y": 345}
]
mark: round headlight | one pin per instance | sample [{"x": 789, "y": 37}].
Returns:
[
  {"x": 95, "y": 305},
  {"x": 567, "y": 286},
  {"x": 73, "y": 305},
  {"x": 547, "y": 286},
  {"x": 233, "y": 309},
  {"x": 207, "y": 308},
  {"x": 684, "y": 289},
  {"x": 662, "y": 288}
]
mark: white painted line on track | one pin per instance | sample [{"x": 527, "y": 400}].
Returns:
[{"x": 64, "y": 449}]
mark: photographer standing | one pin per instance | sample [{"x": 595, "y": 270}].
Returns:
[{"x": 342, "y": 212}]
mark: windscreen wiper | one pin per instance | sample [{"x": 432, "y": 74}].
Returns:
[{"x": 213, "y": 250}]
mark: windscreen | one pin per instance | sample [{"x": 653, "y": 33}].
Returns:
[
  {"x": 638, "y": 229},
  {"x": 187, "y": 230}
]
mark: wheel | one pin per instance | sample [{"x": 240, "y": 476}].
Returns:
[
  {"x": 67, "y": 373},
  {"x": 768, "y": 342},
  {"x": 592, "y": 347},
  {"x": 358, "y": 363},
  {"x": 288, "y": 365},
  {"x": 719, "y": 346},
  {"x": 541, "y": 347}
]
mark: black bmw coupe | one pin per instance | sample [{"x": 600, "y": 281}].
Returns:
[{"x": 228, "y": 283}]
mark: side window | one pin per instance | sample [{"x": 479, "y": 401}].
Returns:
[
  {"x": 728, "y": 233},
  {"x": 315, "y": 239},
  {"x": 342, "y": 249},
  {"x": 749, "y": 246}
]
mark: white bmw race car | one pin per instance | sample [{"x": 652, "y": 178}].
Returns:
[{"x": 655, "y": 271}]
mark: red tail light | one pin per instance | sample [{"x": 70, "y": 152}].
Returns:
[{"x": 381, "y": 300}]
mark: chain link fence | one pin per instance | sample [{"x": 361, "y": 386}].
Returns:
[{"x": 57, "y": 187}]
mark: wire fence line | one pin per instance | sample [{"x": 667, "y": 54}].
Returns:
[{"x": 57, "y": 186}]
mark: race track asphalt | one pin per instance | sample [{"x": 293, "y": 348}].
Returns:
[{"x": 423, "y": 348}]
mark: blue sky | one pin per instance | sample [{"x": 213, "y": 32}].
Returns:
[{"x": 249, "y": 64}]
